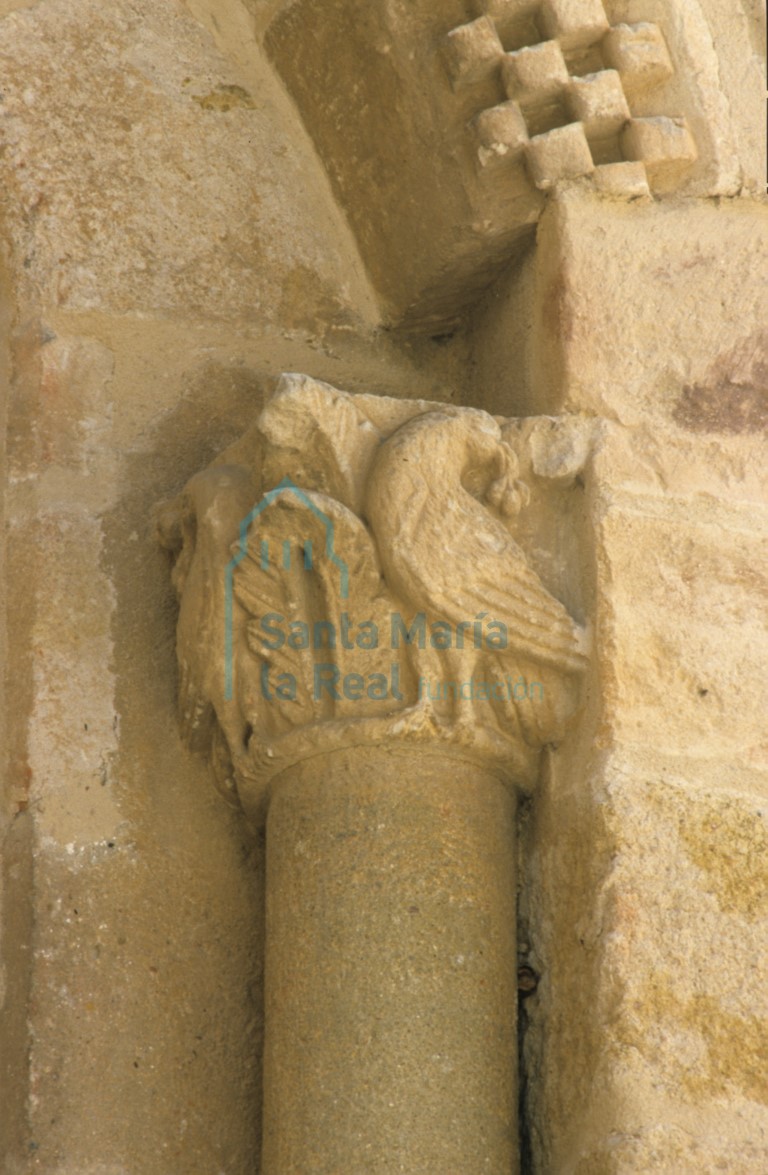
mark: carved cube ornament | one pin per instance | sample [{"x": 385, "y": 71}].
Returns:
[{"x": 357, "y": 580}]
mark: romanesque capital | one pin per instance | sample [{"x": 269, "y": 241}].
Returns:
[{"x": 355, "y": 572}]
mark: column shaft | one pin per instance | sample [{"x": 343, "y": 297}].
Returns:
[{"x": 390, "y": 968}]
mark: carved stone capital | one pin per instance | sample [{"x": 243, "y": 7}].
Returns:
[{"x": 358, "y": 571}]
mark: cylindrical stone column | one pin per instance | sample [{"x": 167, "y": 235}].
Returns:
[
  {"x": 356, "y": 631},
  {"x": 390, "y": 967}
]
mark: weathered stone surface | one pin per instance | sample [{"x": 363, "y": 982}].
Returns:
[
  {"x": 723, "y": 103},
  {"x": 472, "y": 52},
  {"x": 655, "y": 808},
  {"x": 666, "y": 957},
  {"x": 352, "y": 603},
  {"x": 667, "y": 366},
  {"x": 534, "y": 72},
  {"x": 501, "y": 133},
  {"x": 140, "y": 1015},
  {"x": 317, "y": 610},
  {"x": 664, "y": 145},
  {"x": 145, "y": 171},
  {"x": 639, "y": 53},
  {"x": 396, "y": 136},
  {"x": 622, "y": 179},
  {"x": 140, "y": 346},
  {"x": 561, "y": 154},
  {"x": 672, "y": 678},
  {"x": 598, "y": 102},
  {"x": 576, "y": 23},
  {"x": 169, "y": 247},
  {"x": 390, "y": 1036},
  {"x": 442, "y": 229}
]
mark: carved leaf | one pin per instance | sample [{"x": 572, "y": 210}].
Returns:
[
  {"x": 199, "y": 527},
  {"x": 271, "y": 581},
  {"x": 309, "y": 561}
]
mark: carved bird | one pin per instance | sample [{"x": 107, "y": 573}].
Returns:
[{"x": 439, "y": 489}]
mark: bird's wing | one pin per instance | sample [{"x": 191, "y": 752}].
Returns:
[{"x": 467, "y": 564}]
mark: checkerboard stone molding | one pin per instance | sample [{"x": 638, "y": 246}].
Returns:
[
  {"x": 445, "y": 127},
  {"x": 571, "y": 81}
]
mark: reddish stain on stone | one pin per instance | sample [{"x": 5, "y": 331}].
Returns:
[
  {"x": 733, "y": 396},
  {"x": 557, "y": 308}
]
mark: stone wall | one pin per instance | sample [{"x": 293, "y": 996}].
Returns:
[
  {"x": 647, "y": 850},
  {"x": 178, "y": 228}
]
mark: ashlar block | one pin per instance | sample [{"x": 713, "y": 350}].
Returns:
[
  {"x": 576, "y": 24},
  {"x": 639, "y": 53},
  {"x": 534, "y": 73},
  {"x": 562, "y": 153},
  {"x": 511, "y": 17},
  {"x": 627, "y": 179},
  {"x": 500, "y": 133},
  {"x": 664, "y": 145},
  {"x": 598, "y": 102},
  {"x": 471, "y": 52},
  {"x": 504, "y": 11}
]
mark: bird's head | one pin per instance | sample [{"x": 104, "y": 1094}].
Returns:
[
  {"x": 507, "y": 493},
  {"x": 492, "y": 470}
]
